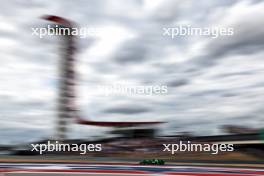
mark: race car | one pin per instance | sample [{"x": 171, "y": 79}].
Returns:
[{"x": 152, "y": 162}]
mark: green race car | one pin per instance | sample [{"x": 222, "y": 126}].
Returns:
[{"x": 152, "y": 162}]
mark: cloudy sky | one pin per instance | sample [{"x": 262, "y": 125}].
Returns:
[{"x": 211, "y": 81}]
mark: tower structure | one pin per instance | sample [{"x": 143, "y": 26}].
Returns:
[{"x": 67, "y": 109}]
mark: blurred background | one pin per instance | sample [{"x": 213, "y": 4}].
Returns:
[{"x": 215, "y": 85}]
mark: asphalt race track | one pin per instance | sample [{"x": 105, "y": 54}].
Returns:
[{"x": 23, "y": 169}]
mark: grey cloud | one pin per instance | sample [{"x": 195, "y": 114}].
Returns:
[
  {"x": 200, "y": 96},
  {"x": 241, "y": 73},
  {"x": 178, "y": 83},
  {"x": 128, "y": 109},
  {"x": 132, "y": 52},
  {"x": 248, "y": 38}
]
